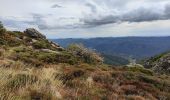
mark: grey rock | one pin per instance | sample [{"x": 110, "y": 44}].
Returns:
[{"x": 33, "y": 33}]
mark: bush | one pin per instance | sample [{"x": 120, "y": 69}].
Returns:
[
  {"x": 41, "y": 44},
  {"x": 140, "y": 69},
  {"x": 9, "y": 39},
  {"x": 85, "y": 54},
  {"x": 2, "y": 29},
  {"x": 56, "y": 58},
  {"x": 2, "y": 42}
]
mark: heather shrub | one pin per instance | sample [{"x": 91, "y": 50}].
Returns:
[
  {"x": 85, "y": 54},
  {"x": 41, "y": 44}
]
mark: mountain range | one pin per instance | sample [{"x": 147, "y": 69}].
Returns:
[{"x": 134, "y": 47}]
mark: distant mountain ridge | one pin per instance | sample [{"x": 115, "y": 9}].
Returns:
[{"x": 137, "y": 47}]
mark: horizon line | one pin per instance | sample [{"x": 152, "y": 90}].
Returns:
[{"x": 112, "y": 37}]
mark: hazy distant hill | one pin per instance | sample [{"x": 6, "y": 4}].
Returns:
[{"x": 137, "y": 47}]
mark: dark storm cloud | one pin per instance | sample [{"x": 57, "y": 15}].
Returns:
[
  {"x": 142, "y": 15},
  {"x": 102, "y": 21},
  {"x": 138, "y": 15},
  {"x": 167, "y": 11}
]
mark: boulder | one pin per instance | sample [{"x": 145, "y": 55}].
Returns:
[{"x": 33, "y": 33}]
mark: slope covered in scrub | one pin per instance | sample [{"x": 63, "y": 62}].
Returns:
[
  {"x": 34, "y": 68},
  {"x": 159, "y": 63}
]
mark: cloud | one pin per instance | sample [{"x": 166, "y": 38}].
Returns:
[
  {"x": 137, "y": 15},
  {"x": 56, "y": 6},
  {"x": 142, "y": 15},
  {"x": 92, "y": 7},
  {"x": 39, "y": 21},
  {"x": 167, "y": 11},
  {"x": 92, "y": 16},
  {"x": 94, "y": 20}
]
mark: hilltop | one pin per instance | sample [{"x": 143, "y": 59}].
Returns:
[{"x": 34, "y": 68}]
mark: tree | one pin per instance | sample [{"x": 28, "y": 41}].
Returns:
[{"x": 2, "y": 29}]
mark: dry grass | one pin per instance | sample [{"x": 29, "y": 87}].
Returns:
[
  {"x": 28, "y": 82},
  {"x": 21, "y": 81},
  {"x": 51, "y": 82},
  {"x": 63, "y": 79}
]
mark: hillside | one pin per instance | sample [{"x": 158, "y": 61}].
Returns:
[
  {"x": 159, "y": 63},
  {"x": 34, "y": 68},
  {"x": 115, "y": 60},
  {"x": 137, "y": 47}
]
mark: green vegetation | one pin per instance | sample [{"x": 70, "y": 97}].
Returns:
[
  {"x": 28, "y": 55},
  {"x": 157, "y": 57},
  {"x": 115, "y": 60},
  {"x": 159, "y": 63},
  {"x": 2, "y": 29},
  {"x": 140, "y": 69},
  {"x": 85, "y": 54},
  {"x": 41, "y": 44}
]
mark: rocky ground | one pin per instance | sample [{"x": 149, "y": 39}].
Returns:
[{"x": 159, "y": 64}]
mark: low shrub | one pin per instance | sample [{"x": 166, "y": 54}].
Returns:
[
  {"x": 2, "y": 41},
  {"x": 140, "y": 69},
  {"x": 41, "y": 44},
  {"x": 161, "y": 85},
  {"x": 54, "y": 58},
  {"x": 72, "y": 75},
  {"x": 85, "y": 54}
]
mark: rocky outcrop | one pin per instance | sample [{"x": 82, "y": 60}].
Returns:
[
  {"x": 159, "y": 64},
  {"x": 55, "y": 45},
  {"x": 33, "y": 33}
]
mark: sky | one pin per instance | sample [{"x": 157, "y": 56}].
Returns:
[{"x": 88, "y": 18}]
